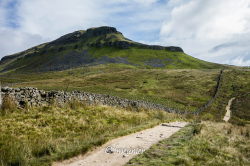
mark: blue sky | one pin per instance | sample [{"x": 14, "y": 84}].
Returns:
[
  {"x": 11, "y": 14},
  {"x": 212, "y": 30}
]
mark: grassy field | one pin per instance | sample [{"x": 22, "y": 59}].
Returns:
[
  {"x": 240, "y": 110},
  {"x": 183, "y": 89},
  {"x": 75, "y": 129},
  {"x": 38, "y": 136},
  {"x": 206, "y": 144},
  {"x": 235, "y": 83}
]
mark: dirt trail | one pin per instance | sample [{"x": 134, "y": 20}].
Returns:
[
  {"x": 119, "y": 151},
  {"x": 228, "y": 113}
]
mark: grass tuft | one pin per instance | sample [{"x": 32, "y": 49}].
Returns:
[{"x": 8, "y": 105}]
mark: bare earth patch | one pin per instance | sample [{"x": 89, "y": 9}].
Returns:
[
  {"x": 228, "y": 113},
  {"x": 119, "y": 151}
]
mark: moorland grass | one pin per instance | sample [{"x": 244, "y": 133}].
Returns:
[
  {"x": 183, "y": 89},
  {"x": 38, "y": 136},
  {"x": 240, "y": 110},
  {"x": 208, "y": 143},
  {"x": 235, "y": 83}
]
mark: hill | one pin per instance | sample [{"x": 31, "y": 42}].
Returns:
[
  {"x": 102, "y": 45},
  {"x": 101, "y": 60}
]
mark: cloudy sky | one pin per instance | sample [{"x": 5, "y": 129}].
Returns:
[{"x": 213, "y": 30}]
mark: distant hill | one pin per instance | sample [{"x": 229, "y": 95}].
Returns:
[{"x": 95, "y": 46}]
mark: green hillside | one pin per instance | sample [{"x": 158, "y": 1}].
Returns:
[
  {"x": 96, "y": 46},
  {"x": 183, "y": 89}
]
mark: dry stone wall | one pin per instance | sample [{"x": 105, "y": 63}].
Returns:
[
  {"x": 210, "y": 102},
  {"x": 34, "y": 97}
]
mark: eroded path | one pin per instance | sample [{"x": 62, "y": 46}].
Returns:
[
  {"x": 228, "y": 110},
  {"x": 119, "y": 151}
]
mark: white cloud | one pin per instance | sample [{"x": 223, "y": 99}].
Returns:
[
  {"x": 133, "y": 2},
  {"x": 49, "y": 19},
  {"x": 240, "y": 61},
  {"x": 213, "y": 30},
  {"x": 2, "y": 12},
  {"x": 13, "y": 41},
  {"x": 200, "y": 25},
  {"x": 57, "y": 17},
  {"x": 41, "y": 21}
]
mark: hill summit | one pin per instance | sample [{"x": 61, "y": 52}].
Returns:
[
  {"x": 101, "y": 45},
  {"x": 105, "y": 36}
]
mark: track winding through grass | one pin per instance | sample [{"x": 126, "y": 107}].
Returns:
[{"x": 118, "y": 152}]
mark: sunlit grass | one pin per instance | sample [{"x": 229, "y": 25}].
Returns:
[
  {"x": 235, "y": 83},
  {"x": 37, "y": 136},
  {"x": 204, "y": 144},
  {"x": 183, "y": 89}
]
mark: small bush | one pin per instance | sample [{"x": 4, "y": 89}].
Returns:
[
  {"x": 75, "y": 104},
  {"x": 8, "y": 105},
  {"x": 197, "y": 128},
  {"x": 207, "y": 116}
]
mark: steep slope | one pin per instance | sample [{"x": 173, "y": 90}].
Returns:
[{"x": 95, "y": 46}]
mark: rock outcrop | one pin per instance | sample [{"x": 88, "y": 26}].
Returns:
[
  {"x": 100, "y": 31},
  {"x": 126, "y": 45}
]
